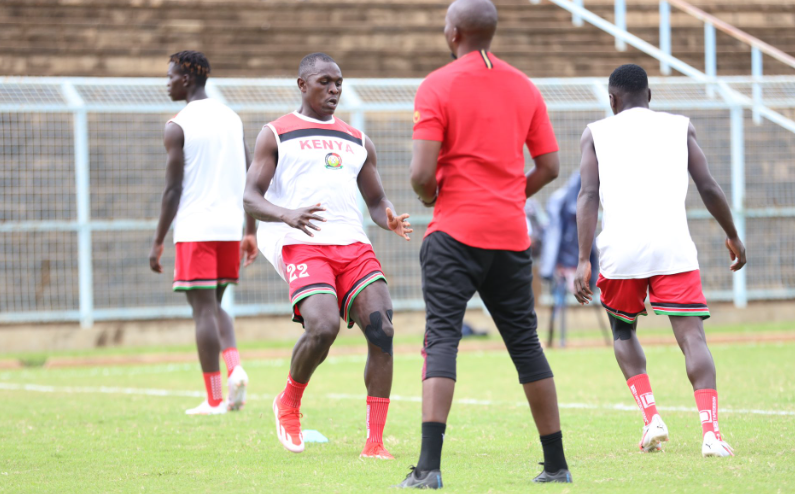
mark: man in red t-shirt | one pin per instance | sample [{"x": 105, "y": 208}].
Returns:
[{"x": 472, "y": 119}]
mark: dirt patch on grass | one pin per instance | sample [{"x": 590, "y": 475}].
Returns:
[{"x": 403, "y": 349}]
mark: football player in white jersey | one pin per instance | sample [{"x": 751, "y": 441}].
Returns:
[
  {"x": 636, "y": 163},
  {"x": 302, "y": 185},
  {"x": 205, "y": 177}
]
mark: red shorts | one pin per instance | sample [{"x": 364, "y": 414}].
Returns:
[
  {"x": 206, "y": 264},
  {"x": 335, "y": 269},
  {"x": 670, "y": 294}
]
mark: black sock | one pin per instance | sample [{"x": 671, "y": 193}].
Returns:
[
  {"x": 431, "y": 452},
  {"x": 554, "y": 459}
]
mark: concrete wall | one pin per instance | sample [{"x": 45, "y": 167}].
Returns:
[{"x": 378, "y": 38}]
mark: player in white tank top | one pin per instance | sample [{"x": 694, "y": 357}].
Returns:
[
  {"x": 636, "y": 163},
  {"x": 308, "y": 169},
  {"x": 318, "y": 163},
  {"x": 205, "y": 178}
]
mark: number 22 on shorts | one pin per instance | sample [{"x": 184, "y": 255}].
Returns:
[{"x": 291, "y": 270}]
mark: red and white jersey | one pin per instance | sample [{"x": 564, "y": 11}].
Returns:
[{"x": 319, "y": 163}]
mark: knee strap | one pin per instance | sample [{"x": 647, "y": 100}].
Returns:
[
  {"x": 375, "y": 334},
  {"x": 622, "y": 330}
]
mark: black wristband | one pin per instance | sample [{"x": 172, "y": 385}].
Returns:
[{"x": 427, "y": 204}]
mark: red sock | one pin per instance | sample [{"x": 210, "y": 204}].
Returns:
[
  {"x": 212, "y": 382},
  {"x": 641, "y": 390},
  {"x": 707, "y": 403},
  {"x": 291, "y": 398},
  {"x": 232, "y": 359},
  {"x": 376, "y": 418}
]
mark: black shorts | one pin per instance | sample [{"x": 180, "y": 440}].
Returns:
[{"x": 451, "y": 274}]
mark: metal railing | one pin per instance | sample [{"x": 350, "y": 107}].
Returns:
[
  {"x": 738, "y": 100},
  {"x": 711, "y": 23},
  {"x": 83, "y": 165}
]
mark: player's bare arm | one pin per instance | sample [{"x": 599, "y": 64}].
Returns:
[
  {"x": 546, "y": 169},
  {"x": 381, "y": 209},
  {"x": 714, "y": 198},
  {"x": 248, "y": 246},
  {"x": 587, "y": 215},
  {"x": 174, "y": 140},
  {"x": 424, "y": 160},
  {"x": 258, "y": 179}
]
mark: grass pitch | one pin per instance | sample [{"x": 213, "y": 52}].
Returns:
[{"x": 122, "y": 429}]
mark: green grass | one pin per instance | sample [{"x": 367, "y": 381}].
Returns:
[{"x": 68, "y": 441}]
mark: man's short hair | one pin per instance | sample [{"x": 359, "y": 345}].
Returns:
[
  {"x": 193, "y": 63},
  {"x": 629, "y": 78},
  {"x": 309, "y": 61}
]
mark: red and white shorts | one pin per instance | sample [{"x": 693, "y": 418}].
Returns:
[
  {"x": 206, "y": 265},
  {"x": 670, "y": 294},
  {"x": 340, "y": 270}
]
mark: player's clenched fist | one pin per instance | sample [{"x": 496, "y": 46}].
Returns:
[
  {"x": 398, "y": 224},
  {"x": 582, "y": 283},
  {"x": 154, "y": 257},
  {"x": 736, "y": 252},
  {"x": 300, "y": 218}
]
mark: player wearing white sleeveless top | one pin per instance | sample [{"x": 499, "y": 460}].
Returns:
[
  {"x": 318, "y": 162},
  {"x": 215, "y": 173},
  {"x": 644, "y": 227},
  {"x": 636, "y": 163},
  {"x": 205, "y": 178},
  {"x": 308, "y": 169}
]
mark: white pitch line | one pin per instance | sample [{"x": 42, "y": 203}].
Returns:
[
  {"x": 39, "y": 388},
  {"x": 144, "y": 369}
]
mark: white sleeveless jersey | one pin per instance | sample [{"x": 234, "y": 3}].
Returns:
[
  {"x": 211, "y": 206},
  {"x": 319, "y": 163},
  {"x": 643, "y": 181}
]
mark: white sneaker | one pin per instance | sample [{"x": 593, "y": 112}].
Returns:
[
  {"x": 714, "y": 447},
  {"x": 654, "y": 435},
  {"x": 237, "y": 382},
  {"x": 206, "y": 409}
]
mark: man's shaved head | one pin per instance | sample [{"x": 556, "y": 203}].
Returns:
[
  {"x": 307, "y": 65},
  {"x": 474, "y": 19}
]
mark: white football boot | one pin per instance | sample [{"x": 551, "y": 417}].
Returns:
[
  {"x": 237, "y": 382},
  {"x": 654, "y": 435},
  {"x": 712, "y": 446},
  {"x": 206, "y": 409}
]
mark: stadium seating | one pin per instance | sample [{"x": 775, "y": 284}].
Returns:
[{"x": 376, "y": 38}]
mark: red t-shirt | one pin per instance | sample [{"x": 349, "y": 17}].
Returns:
[{"x": 483, "y": 111}]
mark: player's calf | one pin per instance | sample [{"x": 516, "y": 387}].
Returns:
[{"x": 378, "y": 331}]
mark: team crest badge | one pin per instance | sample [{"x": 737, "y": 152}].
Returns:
[{"x": 333, "y": 161}]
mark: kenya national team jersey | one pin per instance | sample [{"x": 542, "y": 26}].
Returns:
[{"x": 319, "y": 162}]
